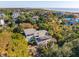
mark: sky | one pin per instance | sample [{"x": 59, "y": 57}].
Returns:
[{"x": 39, "y": 4}]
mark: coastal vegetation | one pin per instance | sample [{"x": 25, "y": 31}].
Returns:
[{"x": 14, "y": 42}]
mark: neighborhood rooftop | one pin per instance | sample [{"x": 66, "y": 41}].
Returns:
[{"x": 40, "y": 35}]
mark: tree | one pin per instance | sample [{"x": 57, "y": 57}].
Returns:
[
  {"x": 55, "y": 51},
  {"x": 19, "y": 46},
  {"x": 18, "y": 30},
  {"x": 32, "y": 41},
  {"x": 4, "y": 42},
  {"x": 21, "y": 18},
  {"x": 13, "y": 45},
  {"x": 55, "y": 27}
]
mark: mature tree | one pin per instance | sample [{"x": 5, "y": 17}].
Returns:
[
  {"x": 13, "y": 45},
  {"x": 18, "y": 46}
]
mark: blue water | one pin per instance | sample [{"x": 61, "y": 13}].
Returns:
[{"x": 66, "y": 9}]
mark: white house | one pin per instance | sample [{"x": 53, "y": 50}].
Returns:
[{"x": 2, "y": 22}]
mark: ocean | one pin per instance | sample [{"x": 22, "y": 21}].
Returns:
[{"x": 65, "y": 9}]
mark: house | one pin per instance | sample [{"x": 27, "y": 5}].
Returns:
[
  {"x": 76, "y": 15},
  {"x": 29, "y": 33},
  {"x": 40, "y": 33},
  {"x": 41, "y": 36},
  {"x": 2, "y": 22},
  {"x": 77, "y": 20},
  {"x": 58, "y": 13},
  {"x": 35, "y": 18},
  {"x": 72, "y": 21},
  {"x": 2, "y": 15},
  {"x": 15, "y": 15},
  {"x": 44, "y": 40}
]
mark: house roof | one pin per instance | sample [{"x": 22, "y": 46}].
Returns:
[
  {"x": 43, "y": 38},
  {"x": 46, "y": 41},
  {"x": 35, "y": 17},
  {"x": 15, "y": 14},
  {"x": 2, "y": 14},
  {"x": 40, "y": 33},
  {"x": 29, "y": 31},
  {"x": 43, "y": 35}
]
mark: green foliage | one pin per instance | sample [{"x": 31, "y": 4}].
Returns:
[
  {"x": 50, "y": 52},
  {"x": 21, "y": 18},
  {"x": 68, "y": 49},
  {"x": 32, "y": 41},
  {"x": 19, "y": 46},
  {"x": 71, "y": 36},
  {"x": 43, "y": 26},
  {"x": 11, "y": 24},
  {"x": 18, "y": 30},
  {"x": 14, "y": 44},
  {"x": 50, "y": 32}
]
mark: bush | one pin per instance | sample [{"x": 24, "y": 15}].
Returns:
[{"x": 17, "y": 30}]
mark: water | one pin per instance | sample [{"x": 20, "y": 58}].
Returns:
[{"x": 65, "y": 9}]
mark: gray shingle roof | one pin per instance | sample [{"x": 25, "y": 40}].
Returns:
[
  {"x": 40, "y": 35},
  {"x": 29, "y": 31}
]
